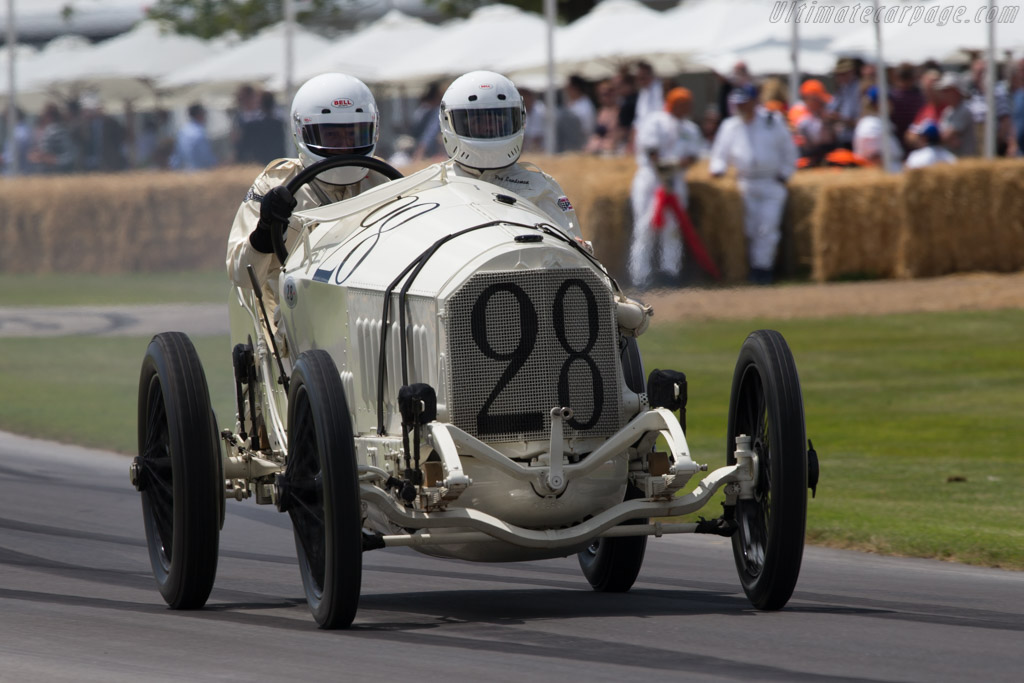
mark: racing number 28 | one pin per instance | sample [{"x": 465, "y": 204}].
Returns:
[{"x": 488, "y": 423}]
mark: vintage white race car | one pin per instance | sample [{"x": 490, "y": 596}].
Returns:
[{"x": 462, "y": 377}]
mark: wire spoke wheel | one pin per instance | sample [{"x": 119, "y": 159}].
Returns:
[
  {"x": 179, "y": 471},
  {"x": 767, "y": 406},
  {"x": 322, "y": 490}
]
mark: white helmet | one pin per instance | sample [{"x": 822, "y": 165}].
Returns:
[
  {"x": 483, "y": 120},
  {"x": 334, "y": 114}
]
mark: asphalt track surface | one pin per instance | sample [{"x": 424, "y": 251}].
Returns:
[
  {"x": 112, "y": 321},
  {"x": 78, "y": 603}
]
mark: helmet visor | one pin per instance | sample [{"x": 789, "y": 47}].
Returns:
[
  {"x": 486, "y": 124},
  {"x": 329, "y": 139}
]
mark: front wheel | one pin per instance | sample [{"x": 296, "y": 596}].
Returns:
[
  {"x": 767, "y": 406},
  {"x": 178, "y": 471},
  {"x": 611, "y": 565},
  {"x": 320, "y": 490}
]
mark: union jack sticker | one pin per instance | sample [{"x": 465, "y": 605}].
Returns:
[{"x": 564, "y": 204}]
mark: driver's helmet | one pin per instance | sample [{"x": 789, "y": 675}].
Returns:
[
  {"x": 483, "y": 120},
  {"x": 334, "y": 114}
]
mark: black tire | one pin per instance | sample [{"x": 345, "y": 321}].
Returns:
[
  {"x": 766, "y": 404},
  {"x": 611, "y": 565},
  {"x": 179, "y": 470},
  {"x": 322, "y": 490}
]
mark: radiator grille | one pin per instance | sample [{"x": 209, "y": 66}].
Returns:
[{"x": 524, "y": 341}]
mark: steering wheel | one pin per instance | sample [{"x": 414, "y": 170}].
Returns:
[{"x": 307, "y": 174}]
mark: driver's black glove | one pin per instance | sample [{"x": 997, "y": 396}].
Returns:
[{"x": 275, "y": 210}]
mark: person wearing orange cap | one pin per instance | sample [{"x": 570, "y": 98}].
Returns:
[
  {"x": 812, "y": 130},
  {"x": 667, "y": 143}
]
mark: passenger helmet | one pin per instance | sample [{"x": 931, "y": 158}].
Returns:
[
  {"x": 334, "y": 114},
  {"x": 483, "y": 120}
]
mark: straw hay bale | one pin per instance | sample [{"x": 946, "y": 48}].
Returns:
[
  {"x": 598, "y": 188},
  {"x": 856, "y": 224},
  {"x": 1007, "y": 215},
  {"x": 949, "y": 226},
  {"x": 716, "y": 208},
  {"x": 966, "y": 216},
  {"x": 796, "y": 250},
  {"x": 119, "y": 223}
]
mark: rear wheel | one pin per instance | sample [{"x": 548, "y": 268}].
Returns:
[
  {"x": 320, "y": 490},
  {"x": 766, "y": 405},
  {"x": 178, "y": 471}
]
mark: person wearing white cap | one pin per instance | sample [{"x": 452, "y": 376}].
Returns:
[
  {"x": 758, "y": 145},
  {"x": 956, "y": 125}
]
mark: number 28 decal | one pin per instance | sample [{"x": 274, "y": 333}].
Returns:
[{"x": 490, "y": 423}]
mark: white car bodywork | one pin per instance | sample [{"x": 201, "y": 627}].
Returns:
[{"x": 537, "y": 434}]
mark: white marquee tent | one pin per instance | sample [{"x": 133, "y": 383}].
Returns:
[
  {"x": 123, "y": 67},
  {"x": 55, "y": 54},
  {"x": 943, "y": 32},
  {"x": 482, "y": 41},
  {"x": 364, "y": 53},
  {"x": 593, "y": 44},
  {"x": 257, "y": 60}
]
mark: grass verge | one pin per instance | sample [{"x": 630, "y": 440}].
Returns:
[
  {"x": 77, "y": 289},
  {"x": 914, "y": 417}
]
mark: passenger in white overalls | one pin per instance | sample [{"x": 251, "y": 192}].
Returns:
[
  {"x": 758, "y": 145},
  {"x": 667, "y": 143},
  {"x": 483, "y": 122}
]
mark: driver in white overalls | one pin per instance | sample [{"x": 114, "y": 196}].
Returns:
[
  {"x": 331, "y": 114},
  {"x": 483, "y": 123}
]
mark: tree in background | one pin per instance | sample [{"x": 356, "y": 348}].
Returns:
[
  {"x": 568, "y": 10},
  {"x": 211, "y": 18}
]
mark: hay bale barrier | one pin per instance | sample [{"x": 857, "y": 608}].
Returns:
[
  {"x": 130, "y": 222},
  {"x": 1006, "y": 212},
  {"x": 598, "y": 188},
  {"x": 964, "y": 217},
  {"x": 838, "y": 224},
  {"x": 855, "y": 225},
  {"x": 716, "y": 209}
]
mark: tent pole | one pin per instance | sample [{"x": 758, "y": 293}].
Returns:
[
  {"x": 794, "y": 57},
  {"x": 289, "y": 68},
  {"x": 550, "y": 115},
  {"x": 12, "y": 91},
  {"x": 990, "y": 91},
  {"x": 882, "y": 80}
]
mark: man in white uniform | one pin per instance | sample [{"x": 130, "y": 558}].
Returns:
[
  {"x": 482, "y": 125},
  {"x": 649, "y": 96},
  {"x": 758, "y": 145},
  {"x": 667, "y": 143},
  {"x": 331, "y": 114}
]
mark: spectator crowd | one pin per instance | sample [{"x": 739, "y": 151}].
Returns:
[
  {"x": 935, "y": 115},
  {"x": 79, "y": 136}
]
